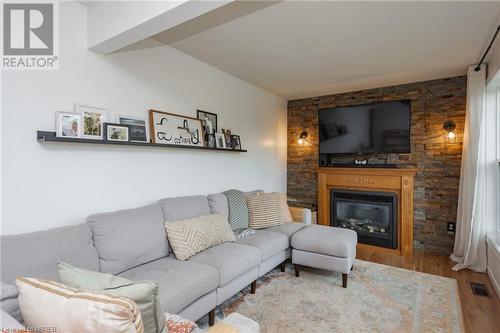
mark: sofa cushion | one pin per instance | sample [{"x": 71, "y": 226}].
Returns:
[
  {"x": 128, "y": 238},
  {"x": 288, "y": 228},
  {"x": 268, "y": 242},
  {"x": 337, "y": 242},
  {"x": 180, "y": 208},
  {"x": 190, "y": 236},
  {"x": 218, "y": 204},
  {"x": 8, "y": 300},
  {"x": 229, "y": 259},
  {"x": 36, "y": 254},
  {"x": 181, "y": 282}
]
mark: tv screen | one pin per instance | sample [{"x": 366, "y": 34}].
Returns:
[{"x": 365, "y": 129}]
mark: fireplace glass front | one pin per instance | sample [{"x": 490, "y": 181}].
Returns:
[{"x": 373, "y": 215}]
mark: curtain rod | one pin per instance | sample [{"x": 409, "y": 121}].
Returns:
[{"x": 478, "y": 67}]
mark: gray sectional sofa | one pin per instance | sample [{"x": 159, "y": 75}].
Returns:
[{"x": 132, "y": 243}]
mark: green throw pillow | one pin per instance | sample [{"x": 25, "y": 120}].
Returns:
[{"x": 143, "y": 293}]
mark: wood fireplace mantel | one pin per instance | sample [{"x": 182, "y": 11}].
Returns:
[{"x": 399, "y": 181}]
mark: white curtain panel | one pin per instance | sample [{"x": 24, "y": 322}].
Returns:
[{"x": 470, "y": 238}]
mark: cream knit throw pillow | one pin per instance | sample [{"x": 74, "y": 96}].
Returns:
[
  {"x": 264, "y": 210},
  {"x": 191, "y": 236}
]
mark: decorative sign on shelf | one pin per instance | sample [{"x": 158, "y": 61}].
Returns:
[{"x": 174, "y": 129}]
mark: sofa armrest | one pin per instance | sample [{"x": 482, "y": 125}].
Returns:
[
  {"x": 8, "y": 322},
  {"x": 300, "y": 214}
]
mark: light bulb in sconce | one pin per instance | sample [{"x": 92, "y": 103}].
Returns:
[
  {"x": 449, "y": 126},
  {"x": 302, "y": 137}
]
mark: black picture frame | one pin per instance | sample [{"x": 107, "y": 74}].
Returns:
[
  {"x": 105, "y": 132},
  {"x": 236, "y": 142},
  {"x": 200, "y": 115}
]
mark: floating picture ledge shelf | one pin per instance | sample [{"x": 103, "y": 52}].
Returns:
[{"x": 45, "y": 136}]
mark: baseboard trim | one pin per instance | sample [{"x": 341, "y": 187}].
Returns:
[
  {"x": 494, "y": 283},
  {"x": 492, "y": 248}
]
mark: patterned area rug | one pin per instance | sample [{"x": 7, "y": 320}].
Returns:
[{"x": 378, "y": 298}]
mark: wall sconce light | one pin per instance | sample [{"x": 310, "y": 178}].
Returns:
[
  {"x": 303, "y": 137},
  {"x": 449, "y": 126}
]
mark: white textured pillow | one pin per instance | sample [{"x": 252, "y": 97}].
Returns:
[
  {"x": 264, "y": 210},
  {"x": 190, "y": 236},
  {"x": 50, "y": 304}
]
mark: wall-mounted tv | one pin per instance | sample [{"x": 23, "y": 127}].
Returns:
[{"x": 377, "y": 128}]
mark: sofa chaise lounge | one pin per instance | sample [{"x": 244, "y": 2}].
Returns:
[{"x": 132, "y": 244}]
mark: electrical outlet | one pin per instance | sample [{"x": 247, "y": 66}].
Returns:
[{"x": 451, "y": 227}]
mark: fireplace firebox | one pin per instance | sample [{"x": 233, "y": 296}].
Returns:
[{"x": 373, "y": 215}]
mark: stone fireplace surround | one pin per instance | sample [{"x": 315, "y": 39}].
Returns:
[{"x": 437, "y": 162}]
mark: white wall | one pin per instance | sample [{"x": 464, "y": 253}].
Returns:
[{"x": 48, "y": 185}]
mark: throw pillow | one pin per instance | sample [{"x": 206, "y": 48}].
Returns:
[
  {"x": 237, "y": 207},
  {"x": 143, "y": 293},
  {"x": 190, "y": 236},
  {"x": 177, "y": 324},
  {"x": 264, "y": 210},
  {"x": 285, "y": 211},
  {"x": 50, "y": 304}
]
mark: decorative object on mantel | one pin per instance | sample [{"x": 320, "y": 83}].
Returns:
[
  {"x": 303, "y": 137},
  {"x": 116, "y": 132},
  {"x": 68, "y": 124},
  {"x": 93, "y": 119},
  {"x": 174, "y": 129},
  {"x": 138, "y": 128},
  {"x": 209, "y": 122},
  {"x": 48, "y": 136}
]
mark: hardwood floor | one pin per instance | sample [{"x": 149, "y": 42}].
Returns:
[{"x": 481, "y": 314}]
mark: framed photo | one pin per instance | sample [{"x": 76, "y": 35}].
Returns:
[
  {"x": 227, "y": 136},
  {"x": 116, "y": 132},
  {"x": 138, "y": 130},
  {"x": 236, "y": 142},
  {"x": 93, "y": 120},
  {"x": 175, "y": 129},
  {"x": 209, "y": 121},
  {"x": 220, "y": 140},
  {"x": 68, "y": 124}
]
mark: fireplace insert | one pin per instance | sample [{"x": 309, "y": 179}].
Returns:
[{"x": 373, "y": 215}]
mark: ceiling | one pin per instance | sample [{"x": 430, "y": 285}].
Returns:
[{"x": 303, "y": 49}]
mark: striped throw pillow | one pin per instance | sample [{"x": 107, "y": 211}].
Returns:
[
  {"x": 285, "y": 211},
  {"x": 264, "y": 210},
  {"x": 191, "y": 236},
  {"x": 50, "y": 304}
]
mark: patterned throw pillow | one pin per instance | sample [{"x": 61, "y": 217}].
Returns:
[
  {"x": 144, "y": 293},
  {"x": 191, "y": 236},
  {"x": 177, "y": 324},
  {"x": 264, "y": 210},
  {"x": 285, "y": 211},
  {"x": 50, "y": 304},
  {"x": 238, "y": 211}
]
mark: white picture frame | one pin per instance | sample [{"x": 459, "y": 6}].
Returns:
[
  {"x": 93, "y": 119},
  {"x": 69, "y": 124},
  {"x": 137, "y": 134},
  {"x": 220, "y": 140}
]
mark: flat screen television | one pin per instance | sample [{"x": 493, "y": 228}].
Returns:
[{"x": 377, "y": 128}]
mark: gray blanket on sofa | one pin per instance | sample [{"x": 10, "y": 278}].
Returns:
[{"x": 238, "y": 213}]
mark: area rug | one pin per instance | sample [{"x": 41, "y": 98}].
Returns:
[{"x": 379, "y": 298}]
